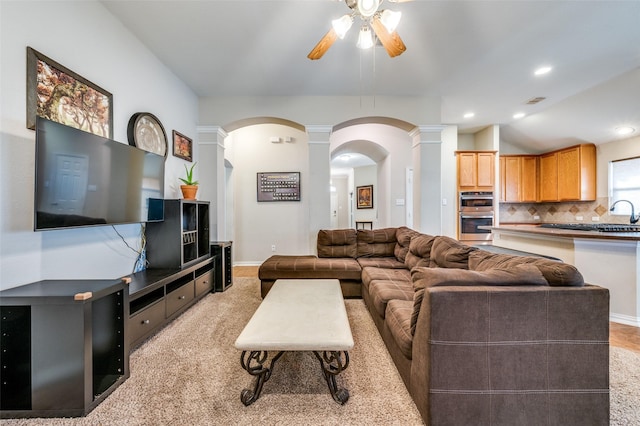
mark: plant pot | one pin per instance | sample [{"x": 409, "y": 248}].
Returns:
[{"x": 189, "y": 191}]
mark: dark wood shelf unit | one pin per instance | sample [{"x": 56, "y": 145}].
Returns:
[
  {"x": 182, "y": 238},
  {"x": 157, "y": 296},
  {"x": 64, "y": 346},
  {"x": 224, "y": 266}
]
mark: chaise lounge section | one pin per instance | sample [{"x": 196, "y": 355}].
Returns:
[{"x": 477, "y": 337}]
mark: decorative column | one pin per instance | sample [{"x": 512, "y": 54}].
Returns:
[
  {"x": 211, "y": 175},
  {"x": 434, "y": 174},
  {"x": 318, "y": 191}
]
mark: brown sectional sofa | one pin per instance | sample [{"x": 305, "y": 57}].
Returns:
[{"x": 477, "y": 337}]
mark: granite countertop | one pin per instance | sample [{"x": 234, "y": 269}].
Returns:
[{"x": 567, "y": 233}]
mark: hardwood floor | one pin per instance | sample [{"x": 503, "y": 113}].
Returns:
[
  {"x": 620, "y": 335},
  {"x": 624, "y": 336}
]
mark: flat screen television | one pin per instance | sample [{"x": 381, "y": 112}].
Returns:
[{"x": 82, "y": 179}]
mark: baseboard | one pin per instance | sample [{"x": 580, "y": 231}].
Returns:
[
  {"x": 247, "y": 263},
  {"x": 625, "y": 319}
]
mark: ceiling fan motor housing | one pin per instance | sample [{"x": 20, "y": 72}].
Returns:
[{"x": 368, "y": 7}]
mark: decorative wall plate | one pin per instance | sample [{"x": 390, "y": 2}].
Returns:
[{"x": 146, "y": 132}]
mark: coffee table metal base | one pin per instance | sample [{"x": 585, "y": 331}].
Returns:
[{"x": 255, "y": 363}]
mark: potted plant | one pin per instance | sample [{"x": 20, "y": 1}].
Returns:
[{"x": 190, "y": 187}]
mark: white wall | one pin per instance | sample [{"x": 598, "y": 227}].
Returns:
[
  {"x": 259, "y": 225},
  {"x": 366, "y": 175},
  {"x": 88, "y": 40},
  {"x": 616, "y": 150},
  {"x": 319, "y": 110}
]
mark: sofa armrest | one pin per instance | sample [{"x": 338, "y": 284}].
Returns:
[{"x": 488, "y": 353}]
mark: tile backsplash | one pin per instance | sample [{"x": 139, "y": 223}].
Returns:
[{"x": 571, "y": 212}]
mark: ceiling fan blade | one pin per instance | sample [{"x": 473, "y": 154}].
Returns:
[
  {"x": 392, "y": 42},
  {"x": 323, "y": 45}
]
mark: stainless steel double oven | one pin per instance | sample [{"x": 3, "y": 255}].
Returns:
[{"x": 476, "y": 210}]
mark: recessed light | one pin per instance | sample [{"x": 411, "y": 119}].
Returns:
[
  {"x": 542, "y": 70},
  {"x": 518, "y": 115},
  {"x": 469, "y": 115},
  {"x": 625, "y": 130}
]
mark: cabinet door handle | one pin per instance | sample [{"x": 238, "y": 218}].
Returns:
[
  {"x": 182, "y": 297},
  {"x": 145, "y": 321}
]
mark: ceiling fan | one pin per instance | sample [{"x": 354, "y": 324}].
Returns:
[{"x": 383, "y": 22}]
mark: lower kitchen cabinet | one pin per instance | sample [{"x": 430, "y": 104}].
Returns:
[{"x": 157, "y": 296}]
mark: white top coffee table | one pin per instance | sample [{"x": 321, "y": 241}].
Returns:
[{"x": 298, "y": 315}]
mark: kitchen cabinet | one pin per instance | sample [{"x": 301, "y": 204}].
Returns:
[
  {"x": 549, "y": 177},
  {"x": 518, "y": 178},
  {"x": 568, "y": 174},
  {"x": 476, "y": 170}
]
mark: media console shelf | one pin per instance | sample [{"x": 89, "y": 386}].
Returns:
[
  {"x": 182, "y": 238},
  {"x": 63, "y": 346},
  {"x": 224, "y": 266},
  {"x": 157, "y": 296}
]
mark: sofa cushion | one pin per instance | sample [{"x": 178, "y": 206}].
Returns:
[
  {"x": 382, "y": 291},
  {"x": 422, "y": 277},
  {"x": 337, "y": 243},
  {"x": 398, "y": 319},
  {"x": 419, "y": 251},
  {"x": 376, "y": 242},
  {"x": 370, "y": 273},
  {"x": 304, "y": 267},
  {"x": 555, "y": 272},
  {"x": 449, "y": 253},
  {"x": 381, "y": 262},
  {"x": 403, "y": 236},
  {"x": 522, "y": 274}
]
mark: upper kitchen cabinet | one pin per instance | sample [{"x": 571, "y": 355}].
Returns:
[
  {"x": 518, "y": 178},
  {"x": 568, "y": 174},
  {"x": 476, "y": 170},
  {"x": 549, "y": 177}
]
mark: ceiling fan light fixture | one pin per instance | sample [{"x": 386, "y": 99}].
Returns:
[
  {"x": 390, "y": 19},
  {"x": 365, "y": 38},
  {"x": 368, "y": 7},
  {"x": 342, "y": 25}
]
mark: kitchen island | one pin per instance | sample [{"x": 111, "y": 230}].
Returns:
[{"x": 608, "y": 259}]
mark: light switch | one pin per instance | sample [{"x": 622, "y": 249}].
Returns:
[{"x": 399, "y": 201}]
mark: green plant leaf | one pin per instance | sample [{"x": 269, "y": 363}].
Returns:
[{"x": 189, "y": 179}]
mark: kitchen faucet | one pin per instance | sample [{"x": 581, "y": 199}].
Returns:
[{"x": 633, "y": 219}]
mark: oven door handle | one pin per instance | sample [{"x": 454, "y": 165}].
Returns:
[{"x": 471, "y": 216}]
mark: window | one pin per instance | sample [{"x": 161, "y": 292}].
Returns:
[{"x": 624, "y": 184}]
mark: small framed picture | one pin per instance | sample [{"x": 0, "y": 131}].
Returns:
[
  {"x": 365, "y": 197},
  {"x": 182, "y": 146}
]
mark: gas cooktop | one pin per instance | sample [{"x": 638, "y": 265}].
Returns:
[{"x": 601, "y": 227}]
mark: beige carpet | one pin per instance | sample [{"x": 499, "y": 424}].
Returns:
[{"x": 190, "y": 374}]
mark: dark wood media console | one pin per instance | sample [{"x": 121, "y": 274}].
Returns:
[
  {"x": 64, "y": 346},
  {"x": 157, "y": 296}
]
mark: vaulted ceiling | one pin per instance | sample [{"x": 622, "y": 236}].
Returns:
[{"x": 478, "y": 56}]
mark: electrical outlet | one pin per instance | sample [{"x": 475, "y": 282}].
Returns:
[
  {"x": 273, "y": 247},
  {"x": 595, "y": 219},
  {"x": 579, "y": 218},
  {"x": 536, "y": 217}
]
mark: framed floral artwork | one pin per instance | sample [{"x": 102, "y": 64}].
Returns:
[
  {"x": 182, "y": 146},
  {"x": 58, "y": 94},
  {"x": 364, "y": 197}
]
